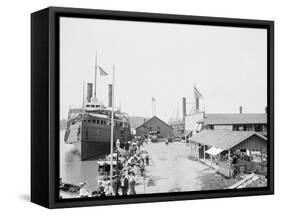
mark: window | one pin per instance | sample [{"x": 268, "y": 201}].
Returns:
[
  {"x": 94, "y": 121},
  {"x": 249, "y": 127},
  {"x": 89, "y": 121},
  {"x": 238, "y": 127},
  {"x": 258, "y": 127},
  {"x": 98, "y": 121},
  {"x": 73, "y": 122}
]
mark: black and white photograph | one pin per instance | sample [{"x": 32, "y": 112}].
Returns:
[{"x": 152, "y": 108}]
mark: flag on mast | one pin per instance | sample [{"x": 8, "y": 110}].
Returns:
[
  {"x": 196, "y": 92},
  {"x": 102, "y": 71},
  {"x": 153, "y": 106}
]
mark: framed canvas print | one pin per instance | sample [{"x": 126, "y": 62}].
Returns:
[{"x": 138, "y": 107}]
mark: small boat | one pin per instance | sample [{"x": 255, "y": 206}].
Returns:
[
  {"x": 104, "y": 169},
  {"x": 68, "y": 190}
]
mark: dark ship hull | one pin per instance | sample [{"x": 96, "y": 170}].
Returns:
[
  {"x": 88, "y": 150},
  {"x": 90, "y": 134}
]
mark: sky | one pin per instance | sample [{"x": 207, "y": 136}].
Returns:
[{"x": 228, "y": 66}]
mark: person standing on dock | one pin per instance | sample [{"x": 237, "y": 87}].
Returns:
[
  {"x": 147, "y": 159},
  {"x": 142, "y": 166},
  {"x": 116, "y": 185},
  {"x": 124, "y": 185},
  {"x": 101, "y": 192},
  {"x": 132, "y": 183},
  {"x": 108, "y": 189}
]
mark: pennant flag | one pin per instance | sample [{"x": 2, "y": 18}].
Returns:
[
  {"x": 102, "y": 71},
  {"x": 196, "y": 92},
  {"x": 153, "y": 99}
]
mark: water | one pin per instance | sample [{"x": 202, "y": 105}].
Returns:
[{"x": 73, "y": 170}]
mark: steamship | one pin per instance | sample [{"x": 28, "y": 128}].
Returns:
[{"x": 89, "y": 127}]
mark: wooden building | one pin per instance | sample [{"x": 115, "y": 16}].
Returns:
[
  {"x": 235, "y": 122},
  {"x": 231, "y": 152},
  {"x": 155, "y": 125},
  {"x": 178, "y": 129}
]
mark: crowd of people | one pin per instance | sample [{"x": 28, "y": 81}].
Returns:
[{"x": 130, "y": 170}]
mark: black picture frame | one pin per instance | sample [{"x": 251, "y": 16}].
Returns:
[{"x": 45, "y": 105}]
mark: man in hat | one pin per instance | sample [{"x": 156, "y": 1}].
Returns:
[
  {"x": 101, "y": 190},
  {"x": 132, "y": 183},
  {"x": 124, "y": 184},
  {"x": 108, "y": 189},
  {"x": 83, "y": 192},
  {"x": 116, "y": 184}
]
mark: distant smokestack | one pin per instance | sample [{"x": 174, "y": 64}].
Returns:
[
  {"x": 196, "y": 104},
  {"x": 240, "y": 109},
  {"x": 197, "y": 95},
  {"x": 183, "y": 107},
  {"x": 89, "y": 91},
  {"x": 110, "y": 95}
]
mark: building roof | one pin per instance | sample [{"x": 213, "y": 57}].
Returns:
[
  {"x": 236, "y": 118},
  {"x": 154, "y": 117},
  {"x": 223, "y": 139}
]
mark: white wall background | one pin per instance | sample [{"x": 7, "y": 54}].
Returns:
[{"x": 15, "y": 106}]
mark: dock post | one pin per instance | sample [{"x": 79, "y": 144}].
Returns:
[
  {"x": 204, "y": 150},
  {"x": 229, "y": 169}
]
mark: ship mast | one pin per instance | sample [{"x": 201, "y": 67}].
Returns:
[
  {"x": 112, "y": 126},
  {"x": 83, "y": 94},
  {"x": 95, "y": 92}
]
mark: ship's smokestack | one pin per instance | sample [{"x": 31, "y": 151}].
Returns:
[
  {"x": 110, "y": 95},
  {"x": 89, "y": 91},
  {"x": 196, "y": 104},
  {"x": 183, "y": 107},
  {"x": 197, "y": 95},
  {"x": 240, "y": 109}
]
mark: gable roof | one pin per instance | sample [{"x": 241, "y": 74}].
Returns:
[
  {"x": 234, "y": 118},
  {"x": 154, "y": 117},
  {"x": 223, "y": 139}
]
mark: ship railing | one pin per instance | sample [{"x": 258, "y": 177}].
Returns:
[{"x": 105, "y": 175}]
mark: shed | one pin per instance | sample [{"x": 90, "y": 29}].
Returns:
[
  {"x": 223, "y": 145},
  {"x": 155, "y": 124}
]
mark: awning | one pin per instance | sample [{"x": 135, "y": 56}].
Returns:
[
  {"x": 214, "y": 151},
  {"x": 187, "y": 132},
  {"x": 199, "y": 127}
]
